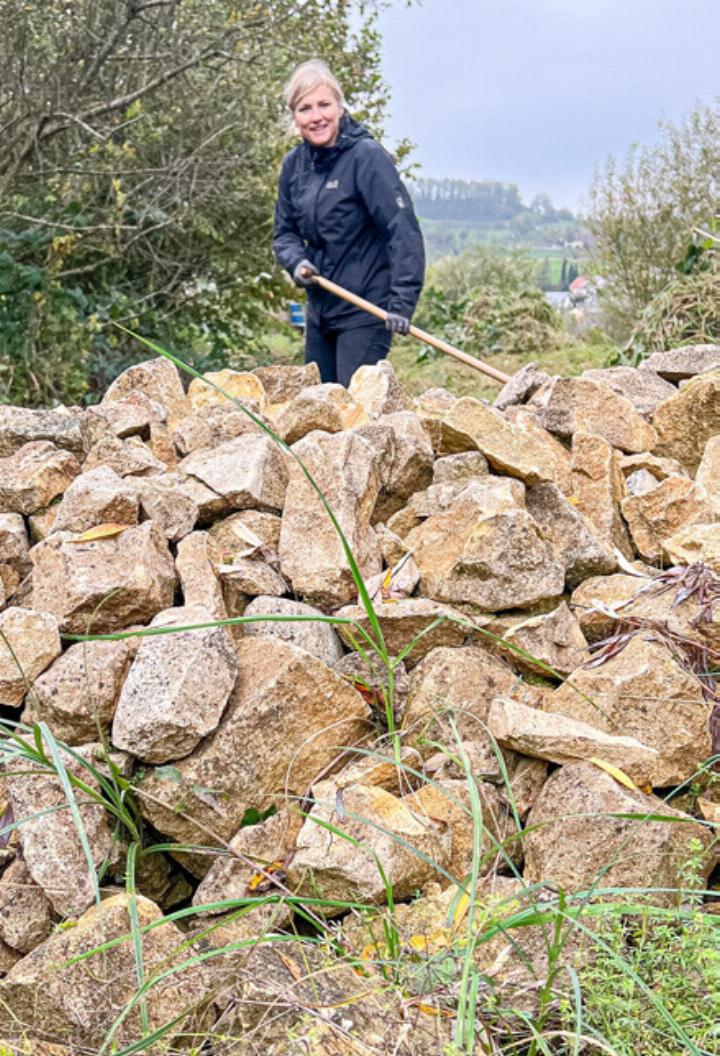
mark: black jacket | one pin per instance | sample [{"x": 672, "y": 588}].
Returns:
[{"x": 345, "y": 209}]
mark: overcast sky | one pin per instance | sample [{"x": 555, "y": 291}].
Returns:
[{"x": 538, "y": 91}]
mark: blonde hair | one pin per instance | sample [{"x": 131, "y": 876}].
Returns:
[{"x": 306, "y": 78}]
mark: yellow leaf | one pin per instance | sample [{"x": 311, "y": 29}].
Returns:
[
  {"x": 100, "y": 531},
  {"x": 573, "y": 500},
  {"x": 432, "y": 1010},
  {"x": 420, "y": 943},
  {"x": 461, "y": 909},
  {"x": 294, "y": 969},
  {"x": 615, "y": 772},
  {"x": 258, "y": 878},
  {"x": 387, "y": 580}
]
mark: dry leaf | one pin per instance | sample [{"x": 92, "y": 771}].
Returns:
[
  {"x": 615, "y": 772},
  {"x": 101, "y": 531},
  {"x": 432, "y": 1010},
  {"x": 294, "y": 968},
  {"x": 461, "y": 909}
]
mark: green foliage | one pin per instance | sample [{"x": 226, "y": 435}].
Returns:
[
  {"x": 645, "y": 213},
  {"x": 678, "y": 962},
  {"x": 141, "y": 146}
]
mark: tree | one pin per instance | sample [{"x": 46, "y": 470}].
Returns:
[
  {"x": 141, "y": 140},
  {"x": 646, "y": 213}
]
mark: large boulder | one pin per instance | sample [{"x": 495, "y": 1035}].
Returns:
[
  {"x": 34, "y": 475},
  {"x": 199, "y": 581},
  {"x": 312, "y": 554},
  {"x": 286, "y": 720},
  {"x": 104, "y": 585},
  {"x": 578, "y": 839},
  {"x": 177, "y": 687},
  {"x": 29, "y": 642},
  {"x": 549, "y": 640},
  {"x": 281, "y": 383},
  {"x": 694, "y": 543}
]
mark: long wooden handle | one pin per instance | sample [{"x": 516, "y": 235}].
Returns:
[{"x": 421, "y": 335}]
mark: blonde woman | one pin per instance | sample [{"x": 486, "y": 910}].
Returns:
[{"x": 343, "y": 212}]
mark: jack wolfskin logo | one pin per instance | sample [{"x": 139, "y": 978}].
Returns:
[
  {"x": 331, "y": 185},
  {"x": 400, "y": 202}
]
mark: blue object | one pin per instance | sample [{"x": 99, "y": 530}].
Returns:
[{"x": 296, "y": 314}]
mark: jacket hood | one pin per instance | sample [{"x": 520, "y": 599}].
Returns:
[{"x": 350, "y": 133}]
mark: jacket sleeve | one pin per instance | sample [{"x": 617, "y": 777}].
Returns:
[
  {"x": 390, "y": 206},
  {"x": 288, "y": 244}
]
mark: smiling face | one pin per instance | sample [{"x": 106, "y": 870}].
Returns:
[{"x": 317, "y": 116}]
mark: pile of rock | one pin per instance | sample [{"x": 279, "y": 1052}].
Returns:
[{"x": 505, "y": 541}]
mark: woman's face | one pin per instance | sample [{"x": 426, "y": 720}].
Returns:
[{"x": 317, "y": 117}]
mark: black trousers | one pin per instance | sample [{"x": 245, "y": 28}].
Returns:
[{"x": 339, "y": 353}]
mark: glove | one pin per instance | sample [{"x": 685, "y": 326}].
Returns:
[
  {"x": 397, "y": 324},
  {"x": 302, "y": 273}
]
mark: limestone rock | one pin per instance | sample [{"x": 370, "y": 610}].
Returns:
[
  {"x": 470, "y": 424},
  {"x": 241, "y": 385},
  {"x": 176, "y": 689},
  {"x": 686, "y": 421},
  {"x": 377, "y": 390},
  {"x": 685, "y": 362},
  {"x": 401, "y": 622},
  {"x": 98, "y": 496},
  {"x": 311, "y": 552},
  {"x": 431, "y": 407},
  {"x": 708, "y": 473},
  {"x": 598, "y": 488},
  {"x": 51, "y": 844},
  {"x": 549, "y": 640},
  {"x": 558, "y": 739},
  {"x": 405, "y": 459},
  {"x": 103, "y": 585},
  {"x": 248, "y": 533},
  {"x": 249, "y": 577},
  {"x": 370, "y": 677},
  {"x": 660, "y": 468},
  {"x": 643, "y": 388},
  {"x": 523, "y": 384},
  {"x": 569, "y": 843},
  {"x": 29, "y": 642},
  {"x": 381, "y": 828},
  {"x": 210, "y": 505},
  {"x": 570, "y": 534},
  {"x": 317, "y": 638},
  {"x": 76, "y": 696},
  {"x": 199, "y": 582},
  {"x": 674, "y": 504},
  {"x": 643, "y": 692},
  {"x": 465, "y": 466},
  {"x": 692, "y": 543},
  {"x": 211, "y": 425},
  {"x": 34, "y": 475},
  {"x": 557, "y": 455},
  {"x": 495, "y": 561},
  {"x": 159, "y": 379},
  {"x": 285, "y": 719},
  {"x": 25, "y": 912},
  {"x": 568, "y": 405},
  {"x": 132, "y": 415},
  {"x": 14, "y": 551},
  {"x": 51, "y": 994},
  {"x": 20, "y": 426},
  {"x": 327, "y": 407},
  {"x": 248, "y": 472},
  {"x": 283, "y": 382},
  {"x": 164, "y": 502}
]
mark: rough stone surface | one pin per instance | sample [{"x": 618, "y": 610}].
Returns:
[
  {"x": 249, "y": 472},
  {"x": 431, "y": 407},
  {"x": 328, "y": 407},
  {"x": 159, "y": 379},
  {"x": 51, "y": 844},
  {"x": 282, "y": 383},
  {"x": 163, "y": 501},
  {"x": 317, "y": 638},
  {"x": 26, "y": 917},
  {"x": 685, "y": 422},
  {"x": 21, "y": 425},
  {"x": 598, "y": 489},
  {"x": 549, "y": 640},
  {"x": 241, "y": 385},
  {"x": 408, "y": 466},
  {"x": 643, "y": 388},
  {"x": 212, "y": 425},
  {"x": 471, "y": 424},
  {"x": 29, "y": 642},
  {"x": 377, "y": 390},
  {"x": 176, "y": 689},
  {"x": 492, "y": 561},
  {"x": 558, "y": 739},
  {"x": 652, "y": 516},
  {"x": 697, "y": 542},
  {"x": 463, "y": 467},
  {"x": 129, "y": 458},
  {"x": 569, "y": 405},
  {"x": 47, "y": 996},
  {"x": 570, "y": 844},
  {"x": 104, "y": 585},
  {"x": 556, "y": 453},
  {"x": 34, "y": 475},
  {"x": 15, "y": 560},
  {"x": 284, "y": 724},
  {"x": 199, "y": 582},
  {"x": 77, "y": 695},
  {"x": 523, "y": 384},
  {"x": 381, "y": 828},
  {"x": 686, "y": 362},
  {"x": 99, "y": 496},
  {"x": 643, "y": 692},
  {"x": 311, "y": 553},
  {"x": 401, "y": 622},
  {"x": 132, "y": 415},
  {"x": 708, "y": 473},
  {"x": 570, "y": 534}
]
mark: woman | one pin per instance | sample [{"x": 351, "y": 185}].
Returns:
[{"x": 343, "y": 212}]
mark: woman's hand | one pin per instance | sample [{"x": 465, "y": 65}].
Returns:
[
  {"x": 302, "y": 276},
  {"x": 397, "y": 324}
]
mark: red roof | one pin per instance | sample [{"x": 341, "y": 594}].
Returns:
[{"x": 579, "y": 283}]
